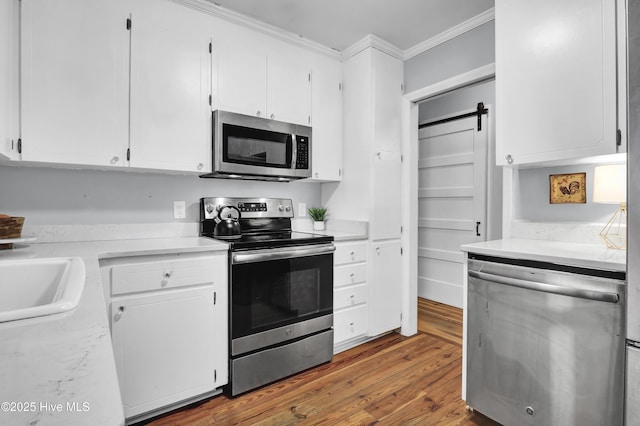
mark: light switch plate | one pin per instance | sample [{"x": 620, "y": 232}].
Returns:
[
  {"x": 179, "y": 209},
  {"x": 302, "y": 209}
]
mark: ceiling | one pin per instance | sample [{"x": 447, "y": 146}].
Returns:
[{"x": 340, "y": 23}]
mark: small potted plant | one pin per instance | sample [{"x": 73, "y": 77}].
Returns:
[{"x": 318, "y": 215}]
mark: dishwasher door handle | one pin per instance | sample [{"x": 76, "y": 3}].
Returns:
[{"x": 547, "y": 288}]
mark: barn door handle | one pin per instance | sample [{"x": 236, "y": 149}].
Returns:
[{"x": 477, "y": 229}]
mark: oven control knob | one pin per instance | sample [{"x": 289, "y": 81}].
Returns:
[
  {"x": 280, "y": 207},
  {"x": 287, "y": 208},
  {"x": 209, "y": 208}
]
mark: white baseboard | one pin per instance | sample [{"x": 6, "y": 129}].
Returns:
[{"x": 440, "y": 291}]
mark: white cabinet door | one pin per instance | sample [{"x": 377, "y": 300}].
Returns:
[
  {"x": 170, "y": 89},
  {"x": 385, "y": 287},
  {"x": 165, "y": 347},
  {"x": 240, "y": 73},
  {"x": 326, "y": 119},
  {"x": 386, "y": 196},
  {"x": 260, "y": 77},
  {"x": 387, "y": 78},
  {"x": 75, "y": 68},
  {"x": 9, "y": 45},
  {"x": 289, "y": 89},
  {"x": 555, "y": 79}
]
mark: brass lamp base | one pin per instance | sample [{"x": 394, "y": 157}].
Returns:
[{"x": 614, "y": 233}]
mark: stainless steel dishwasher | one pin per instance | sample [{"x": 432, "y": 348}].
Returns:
[{"x": 545, "y": 343}]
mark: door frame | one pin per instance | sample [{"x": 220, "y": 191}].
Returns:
[{"x": 409, "y": 211}]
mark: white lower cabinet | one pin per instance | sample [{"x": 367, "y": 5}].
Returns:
[
  {"x": 385, "y": 302},
  {"x": 168, "y": 317},
  {"x": 350, "y": 293}
]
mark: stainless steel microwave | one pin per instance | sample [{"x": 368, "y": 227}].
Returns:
[{"x": 246, "y": 147}]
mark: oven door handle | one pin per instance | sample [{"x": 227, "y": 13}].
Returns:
[{"x": 264, "y": 255}]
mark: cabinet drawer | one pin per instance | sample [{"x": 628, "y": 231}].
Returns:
[
  {"x": 350, "y": 296},
  {"x": 349, "y": 274},
  {"x": 167, "y": 274},
  {"x": 350, "y": 253},
  {"x": 352, "y": 322}
]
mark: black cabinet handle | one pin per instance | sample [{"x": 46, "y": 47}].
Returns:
[{"x": 477, "y": 229}]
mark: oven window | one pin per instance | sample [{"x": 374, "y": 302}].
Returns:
[
  {"x": 271, "y": 294},
  {"x": 256, "y": 147}
]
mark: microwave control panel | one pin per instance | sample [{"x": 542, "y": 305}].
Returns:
[{"x": 302, "y": 152}]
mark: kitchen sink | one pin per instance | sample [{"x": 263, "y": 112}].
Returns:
[{"x": 38, "y": 287}]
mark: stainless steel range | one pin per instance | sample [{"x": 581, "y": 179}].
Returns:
[{"x": 280, "y": 290}]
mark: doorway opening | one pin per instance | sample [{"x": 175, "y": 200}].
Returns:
[{"x": 431, "y": 103}]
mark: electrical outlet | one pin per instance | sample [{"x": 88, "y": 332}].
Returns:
[
  {"x": 179, "y": 209},
  {"x": 302, "y": 209}
]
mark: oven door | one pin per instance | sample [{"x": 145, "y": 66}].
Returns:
[{"x": 280, "y": 294}]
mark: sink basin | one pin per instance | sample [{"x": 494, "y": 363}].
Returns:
[{"x": 37, "y": 287}]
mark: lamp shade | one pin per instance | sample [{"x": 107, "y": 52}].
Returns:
[{"x": 610, "y": 184}]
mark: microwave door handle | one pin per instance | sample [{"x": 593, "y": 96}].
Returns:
[{"x": 294, "y": 151}]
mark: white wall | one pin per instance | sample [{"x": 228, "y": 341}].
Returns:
[
  {"x": 48, "y": 196},
  {"x": 463, "y": 53},
  {"x": 532, "y": 203}
]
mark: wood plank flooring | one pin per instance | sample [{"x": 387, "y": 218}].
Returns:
[
  {"x": 440, "y": 320},
  {"x": 393, "y": 380}
]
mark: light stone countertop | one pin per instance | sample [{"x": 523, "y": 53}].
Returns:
[
  {"x": 592, "y": 256},
  {"x": 60, "y": 369},
  {"x": 340, "y": 230}
]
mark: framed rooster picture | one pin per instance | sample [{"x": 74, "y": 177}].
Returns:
[{"x": 569, "y": 188}]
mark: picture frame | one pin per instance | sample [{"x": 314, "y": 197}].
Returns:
[{"x": 568, "y": 188}]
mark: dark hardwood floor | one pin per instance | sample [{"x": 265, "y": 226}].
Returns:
[{"x": 393, "y": 380}]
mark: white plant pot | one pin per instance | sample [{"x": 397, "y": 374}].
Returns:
[{"x": 318, "y": 225}]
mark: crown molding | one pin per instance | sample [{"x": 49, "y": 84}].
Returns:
[
  {"x": 452, "y": 32},
  {"x": 375, "y": 42},
  {"x": 208, "y": 6}
]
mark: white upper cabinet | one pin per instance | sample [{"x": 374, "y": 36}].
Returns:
[
  {"x": 132, "y": 83},
  {"x": 240, "y": 71},
  {"x": 261, "y": 77},
  {"x": 9, "y": 32},
  {"x": 75, "y": 72},
  {"x": 170, "y": 89},
  {"x": 555, "y": 80},
  {"x": 289, "y": 86},
  {"x": 387, "y": 80},
  {"x": 104, "y": 82},
  {"x": 326, "y": 112}
]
